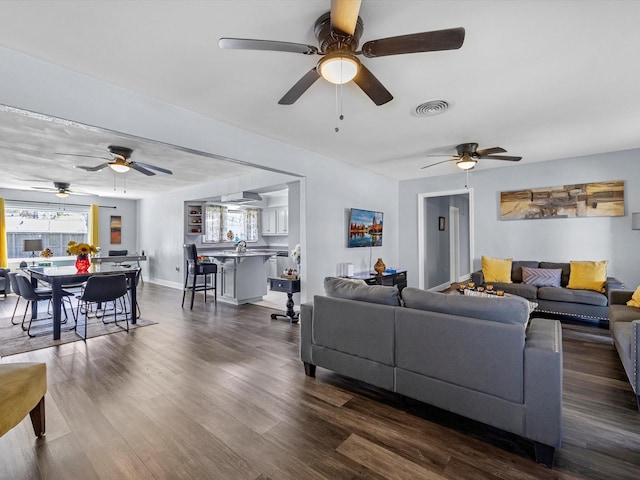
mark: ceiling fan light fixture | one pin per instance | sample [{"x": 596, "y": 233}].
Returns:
[
  {"x": 466, "y": 163},
  {"x": 119, "y": 166},
  {"x": 338, "y": 67},
  {"x": 61, "y": 194}
]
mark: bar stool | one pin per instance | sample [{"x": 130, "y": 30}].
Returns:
[{"x": 195, "y": 269}]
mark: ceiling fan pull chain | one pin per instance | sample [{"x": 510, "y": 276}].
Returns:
[{"x": 339, "y": 115}]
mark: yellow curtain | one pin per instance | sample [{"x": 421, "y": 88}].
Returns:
[
  {"x": 94, "y": 226},
  {"x": 3, "y": 237}
]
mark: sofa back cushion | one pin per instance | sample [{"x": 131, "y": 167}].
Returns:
[
  {"x": 358, "y": 290},
  {"x": 517, "y": 266},
  {"x": 565, "y": 267},
  {"x": 366, "y": 330},
  {"x": 511, "y": 310},
  {"x": 483, "y": 356}
]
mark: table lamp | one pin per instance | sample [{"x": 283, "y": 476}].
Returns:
[{"x": 32, "y": 246}]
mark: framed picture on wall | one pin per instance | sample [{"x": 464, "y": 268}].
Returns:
[{"x": 115, "y": 226}]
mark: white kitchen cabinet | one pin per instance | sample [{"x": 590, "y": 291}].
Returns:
[
  {"x": 275, "y": 221},
  {"x": 282, "y": 221},
  {"x": 268, "y": 221}
]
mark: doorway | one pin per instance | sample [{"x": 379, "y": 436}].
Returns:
[{"x": 445, "y": 238}]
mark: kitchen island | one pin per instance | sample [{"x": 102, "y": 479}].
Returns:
[{"x": 242, "y": 277}]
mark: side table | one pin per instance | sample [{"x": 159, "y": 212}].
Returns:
[{"x": 289, "y": 286}]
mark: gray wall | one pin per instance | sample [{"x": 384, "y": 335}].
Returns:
[{"x": 597, "y": 238}]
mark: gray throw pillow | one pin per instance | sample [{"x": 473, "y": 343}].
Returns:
[{"x": 359, "y": 290}]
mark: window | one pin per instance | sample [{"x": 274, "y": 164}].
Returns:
[
  {"x": 55, "y": 227},
  {"x": 225, "y": 225}
]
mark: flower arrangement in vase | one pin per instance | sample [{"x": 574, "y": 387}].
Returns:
[{"x": 82, "y": 252}]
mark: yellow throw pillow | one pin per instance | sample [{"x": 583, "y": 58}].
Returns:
[
  {"x": 635, "y": 299},
  {"x": 588, "y": 275},
  {"x": 496, "y": 270}
]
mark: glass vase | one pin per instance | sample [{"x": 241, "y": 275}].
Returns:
[{"x": 82, "y": 263}]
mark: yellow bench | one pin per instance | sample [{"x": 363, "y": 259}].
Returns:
[{"x": 22, "y": 389}]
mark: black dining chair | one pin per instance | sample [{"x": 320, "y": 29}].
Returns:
[
  {"x": 32, "y": 294},
  {"x": 196, "y": 269},
  {"x": 16, "y": 289},
  {"x": 102, "y": 289}
]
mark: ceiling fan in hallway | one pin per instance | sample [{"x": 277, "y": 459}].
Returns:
[
  {"x": 119, "y": 162},
  {"x": 338, "y": 33},
  {"x": 468, "y": 155}
]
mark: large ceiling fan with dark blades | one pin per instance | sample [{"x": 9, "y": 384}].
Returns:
[
  {"x": 338, "y": 33},
  {"x": 468, "y": 155},
  {"x": 119, "y": 162}
]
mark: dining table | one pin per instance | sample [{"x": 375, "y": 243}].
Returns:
[{"x": 59, "y": 276}]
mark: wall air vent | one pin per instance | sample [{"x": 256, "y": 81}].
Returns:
[
  {"x": 241, "y": 197},
  {"x": 433, "y": 107}
]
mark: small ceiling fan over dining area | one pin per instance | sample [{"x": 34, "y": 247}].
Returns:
[
  {"x": 119, "y": 162},
  {"x": 338, "y": 34}
]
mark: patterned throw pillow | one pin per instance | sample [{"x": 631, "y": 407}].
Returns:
[{"x": 541, "y": 277}]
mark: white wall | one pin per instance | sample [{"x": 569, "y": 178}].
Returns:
[
  {"x": 330, "y": 187},
  {"x": 558, "y": 239}
]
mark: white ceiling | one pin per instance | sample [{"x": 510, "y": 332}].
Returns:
[{"x": 543, "y": 79}]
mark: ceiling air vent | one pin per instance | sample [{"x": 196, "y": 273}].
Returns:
[
  {"x": 241, "y": 197},
  {"x": 433, "y": 107}
]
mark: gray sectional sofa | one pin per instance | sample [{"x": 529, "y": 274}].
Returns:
[
  {"x": 477, "y": 357},
  {"x": 581, "y": 304},
  {"x": 5, "y": 286},
  {"x": 624, "y": 324}
]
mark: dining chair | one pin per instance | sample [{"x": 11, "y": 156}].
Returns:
[
  {"x": 195, "y": 269},
  {"x": 16, "y": 289},
  {"x": 102, "y": 289},
  {"x": 32, "y": 294},
  {"x": 124, "y": 302}
]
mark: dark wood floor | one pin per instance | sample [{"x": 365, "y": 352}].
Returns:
[{"x": 219, "y": 393}]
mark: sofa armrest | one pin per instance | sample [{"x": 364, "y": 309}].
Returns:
[
  {"x": 477, "y": 277},
  {"x": 612, "y": 283},
  {"x": 306, "y": 327},
  {"x": 619, "y": 297},
  {"x": 543, "y": 381}
]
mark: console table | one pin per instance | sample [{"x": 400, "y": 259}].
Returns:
[
  {"x": 397, "y": 278},
  {"x": 289, "y": 286}
]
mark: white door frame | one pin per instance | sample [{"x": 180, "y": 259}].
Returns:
[
  {"x": 454, "y": 244},
  {"x": 422, "y": 240}
]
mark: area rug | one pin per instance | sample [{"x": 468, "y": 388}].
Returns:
[{"x": 14, "y": 340}]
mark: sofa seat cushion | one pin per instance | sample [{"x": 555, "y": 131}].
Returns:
[
  {"x": 510, "y": 310},
  {"x": 623, "y": 333},
  {"x": 622, "y": 313},
  {"x": 358, "y": 290},
  {"x": 587, "y": 297},
  {"x": 520, "y": 289}
]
